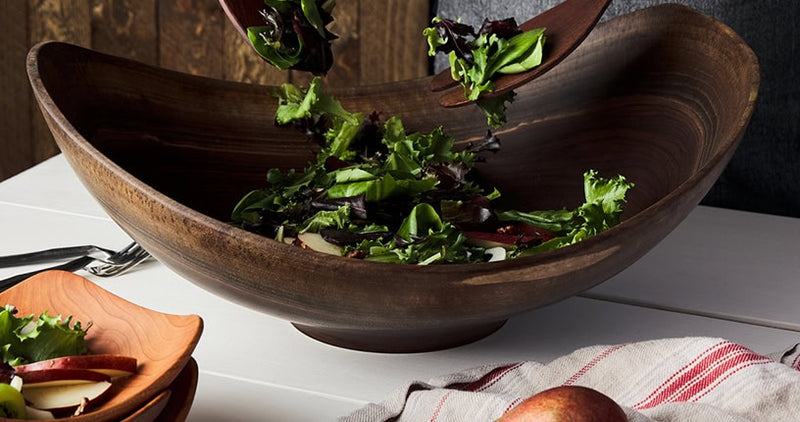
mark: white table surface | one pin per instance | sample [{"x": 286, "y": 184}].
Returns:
[{"x": 721, "y": 273}]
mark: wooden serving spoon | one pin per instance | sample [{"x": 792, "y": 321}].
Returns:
[{"x": 566, "y": 26}]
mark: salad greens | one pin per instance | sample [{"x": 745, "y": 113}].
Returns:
[
  {"x": 383, "y": 194},
  {"x": 499, "y": 46},
  {"x": 294, "y": 35},
  {"x": 31, "y": 339}
]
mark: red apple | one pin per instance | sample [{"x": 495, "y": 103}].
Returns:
[
  {"x": 111, "y": 365},
  {"x": 65, "y": 398},
  {"x": 566, "y": 403},
  {"x": 57, "y": 377}
]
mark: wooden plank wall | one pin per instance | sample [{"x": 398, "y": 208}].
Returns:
[{"x": 378, "y": 41}]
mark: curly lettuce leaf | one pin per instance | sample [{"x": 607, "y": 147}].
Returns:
[
  {"x": 339, "y": 219},
  {"x": 295, "y": 104},
  {"x": 604, "y": 201},
  {"x": 31, "y": 339},
  {"x": 494, "y": 108}
]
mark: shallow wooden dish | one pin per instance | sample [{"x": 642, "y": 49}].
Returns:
[
  {"x": 161, "y": 343},
  {"x": 172, "y": 404},
  {"x": 661, "y": 96}
]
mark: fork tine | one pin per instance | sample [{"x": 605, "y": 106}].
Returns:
[{"x": 134, "y": 256}]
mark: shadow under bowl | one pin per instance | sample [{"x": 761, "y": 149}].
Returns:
[{"x": 661, "y": 96}]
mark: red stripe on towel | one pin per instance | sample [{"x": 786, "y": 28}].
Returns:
[
  {"x": 728, "y": 375},
  {"x": 705, "y": 373},
  {"x": 678, "y": 378},
  {"x": 571, "y": 380},
  {"x": 488, "y": 380},
  {"x": 439, "y": 406},
  {"x": 719, "y": 373}
]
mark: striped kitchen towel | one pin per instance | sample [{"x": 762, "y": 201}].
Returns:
[{"x": 681, "y": 379}]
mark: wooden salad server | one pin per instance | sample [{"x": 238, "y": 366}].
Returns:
[{"x": 566, "y": 26}]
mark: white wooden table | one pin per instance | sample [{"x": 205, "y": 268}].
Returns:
[{"x": 721, "y": 273}]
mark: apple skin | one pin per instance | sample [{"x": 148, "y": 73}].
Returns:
[
  {"x": 108, "y": 364},
  {"x": 509, "y": 236},
  {"x": 55, "y": 377},
  {"x": 566, "y": 403}
]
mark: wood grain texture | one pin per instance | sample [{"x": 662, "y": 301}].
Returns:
[
  {"x": 190, "y": 36},
  {"x": 60, "y": 20},
  {"x": 391, "y": 43},
  {"x": 346, "y": 69},
  {"x": 161, "y": 343},
  {"x": 661, "y": 96},
  {"x": 127, "y": 28},
  {"x": 16, "y": 101},
  {"x": 242, "y": 64}
]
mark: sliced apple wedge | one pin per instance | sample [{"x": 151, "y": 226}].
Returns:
[
  {"x": 108, "y": 364},
  {"x": 496, "y": 254},
  {"x": 38, "y": 414},
  {"x": 64, "y": 398},
  {"x": 315, "y": 242},
  {"x": 59, "y": 377}
]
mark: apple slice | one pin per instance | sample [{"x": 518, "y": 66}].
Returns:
[
  {"x": 38, "y": 414},
  {"x": 315, "y": 242},
  {"x": 63, "y": 398},
  {"x": 57, "y": 377},
  {"x": 108, "y": 364},
  {"x": 496, "y": 254}
]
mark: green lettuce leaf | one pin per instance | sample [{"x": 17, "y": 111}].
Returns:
[
  {"x": 30, "y": 339},
  {"x": 604, "y": 201},
  {"x": 295, "y": 104},
  {"x": 475, "y": 60},
  {"x": 339, "y": 218}
]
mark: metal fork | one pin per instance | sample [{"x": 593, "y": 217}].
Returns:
[
  {"x": 127, "y": 258},
  {"x": 115, "y": 264}
]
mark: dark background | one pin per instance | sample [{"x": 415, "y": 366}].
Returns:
[{"x": 763, "y": 175}]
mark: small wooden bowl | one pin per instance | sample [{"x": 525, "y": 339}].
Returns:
[
  {"x": 161, "y": 343},
  {"x": 661, "y": 96}
]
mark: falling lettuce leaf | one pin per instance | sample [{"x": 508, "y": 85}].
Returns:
[
  {"x": 294, "y": 35},
  {"x": 475, "y": 57},
  {"x": 382, "y": 194}
]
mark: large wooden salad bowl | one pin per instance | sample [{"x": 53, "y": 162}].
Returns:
[{"x": 661, "y": 96}]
